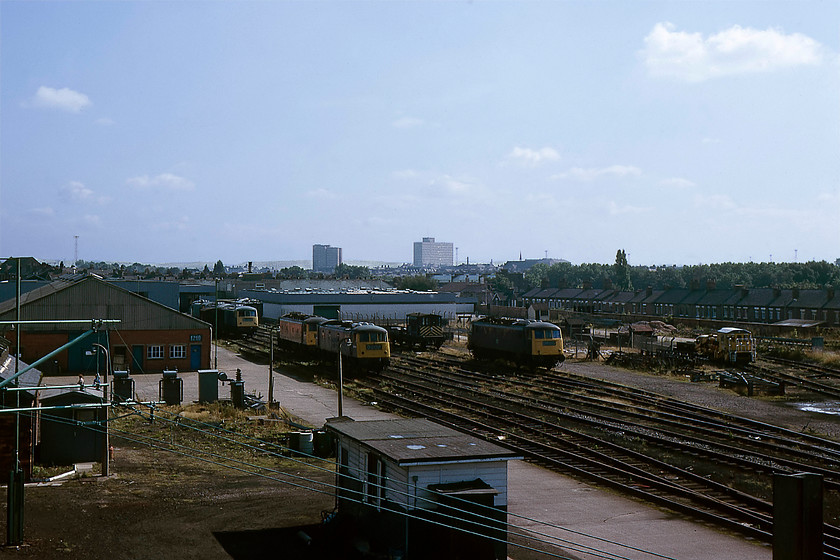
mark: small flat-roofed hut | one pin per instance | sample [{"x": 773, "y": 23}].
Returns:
[{"x": 394, "y": 476}]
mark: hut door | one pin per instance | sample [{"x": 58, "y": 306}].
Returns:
[{"x": 375, "y": 479}]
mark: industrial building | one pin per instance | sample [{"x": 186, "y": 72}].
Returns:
[
  {"x": 360, "y": 305},
  {"x": 325, "y": 258},
  {"x": 423, "y": 488},
  {"x": 431, "y": 253},
  {"x": 147, "y": 337}
]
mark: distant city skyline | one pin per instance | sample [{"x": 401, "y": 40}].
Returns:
[{"x": 680, "y": 132}]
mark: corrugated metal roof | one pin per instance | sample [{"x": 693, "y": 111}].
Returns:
[{"x": 93, "y": 298}]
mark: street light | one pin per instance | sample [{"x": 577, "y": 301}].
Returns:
[
  {"x": 216, "y": 324},
  {"x": 106, "y": 470}
]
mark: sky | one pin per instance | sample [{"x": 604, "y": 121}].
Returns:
[{"x": 682, "y": 132}]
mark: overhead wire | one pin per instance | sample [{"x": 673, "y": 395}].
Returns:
[
  {"x": 407, "y": 492},
  {"x": 555, "y": 540},
  {"x": 157, "y": 444}
]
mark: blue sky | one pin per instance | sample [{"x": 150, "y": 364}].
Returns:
[{"x": 681, "y": 132}]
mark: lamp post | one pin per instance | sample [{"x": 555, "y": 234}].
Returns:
[
  {"x": 346, "y": 341},
  {"x": 106, "y": 469},
  {"x": 216, "y": 326}
]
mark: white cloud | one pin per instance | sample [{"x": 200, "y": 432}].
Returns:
[
  {"x": 77, "y": 191},
  {"x": 737, "y": 50},
  {"x": 541, "y": 200},
  {"x": 615, "y": 209},
  {"x": 43, "y": 211},
  {"x": 677, "y": 183},
  {"x": 405, "y": 174},
  {"x": 92, "y": 220},
  {"x": 322, "y": 194},
  {"x": 715, "y": 201},
  {"x": 166, "y": 181},
  {"x": 63, "y": 99},
  {"x": 528, "y": 156},
  {"x": 408, "y": 122},
  {"x": 179, "y": 224},
  {"x": 450, "y": 186},
  {"x": 592, "y": 173}
]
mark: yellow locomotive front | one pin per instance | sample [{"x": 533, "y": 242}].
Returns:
[
  {"x": 247, "y": 319},
  {"x": 736, "y": 346},
  {"x": 370, "y": 345},
  {"x": 546, "y": 343}
]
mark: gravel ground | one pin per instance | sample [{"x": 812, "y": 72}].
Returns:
[{"x": 779, "y": 411}]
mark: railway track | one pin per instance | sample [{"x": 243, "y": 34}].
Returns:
[
  {"x": 668, "y": 452},
  {"x": 813, "y": 369},
  {"x": 568, "y": 441},
  {"x": 804, "y": 382}
]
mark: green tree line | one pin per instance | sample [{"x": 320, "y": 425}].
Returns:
[{"x": 622, "y": 276}]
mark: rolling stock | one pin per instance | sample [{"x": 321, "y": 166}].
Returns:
[
  {"x": 729, "y": 344},
  {"x": 529, "y": 343},
  {"x": 363, "y": 346},
  {"x": 231, "y": 318},
  {"x": 298, "y": 332},
  {"x": 421, "y": 330}
]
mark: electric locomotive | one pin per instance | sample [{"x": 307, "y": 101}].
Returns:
[
  {"x": 232, "y": 318},
  {"x": 530, "y": 343},
  {"x": 364, "y": 346},
  {"x": 298, "y": 332}
]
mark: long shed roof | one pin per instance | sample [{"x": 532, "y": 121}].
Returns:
[{"x": 92, "y": 298}]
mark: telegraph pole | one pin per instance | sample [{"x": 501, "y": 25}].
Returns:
[{"x": 14, "y": 494}]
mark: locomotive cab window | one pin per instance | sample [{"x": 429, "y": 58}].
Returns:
[
  {"x": 371, "y": 337},
  {"x": 546, "y": 333}
]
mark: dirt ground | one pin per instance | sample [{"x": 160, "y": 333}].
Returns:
[{"x": 161, "y": 505}]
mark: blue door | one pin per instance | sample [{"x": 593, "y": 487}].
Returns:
[{"x": 195, "y": 357}]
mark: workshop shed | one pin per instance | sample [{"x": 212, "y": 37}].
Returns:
[{"x": 148, "y": 337}]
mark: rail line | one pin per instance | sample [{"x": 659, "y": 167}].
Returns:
[
  {"x": 646, "y": 445},
  {"x": 553, "y": 434}
]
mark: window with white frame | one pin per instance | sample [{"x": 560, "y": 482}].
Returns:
[
  {"x": 177, "y": 351},
  {"x": 154, "y": 351}
]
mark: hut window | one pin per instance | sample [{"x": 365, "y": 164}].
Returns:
[
  {"x": 177, "y": 351},
  {"x": 154, "y": 352}
]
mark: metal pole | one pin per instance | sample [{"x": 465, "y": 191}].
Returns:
[
  {"x": 14, "y": 494},
  {"x": 340, "y": 384},
  {"x": 271, "y": 371},
  {"x": 106, "y": 467},
  {"x": 216, "y": 326}
]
